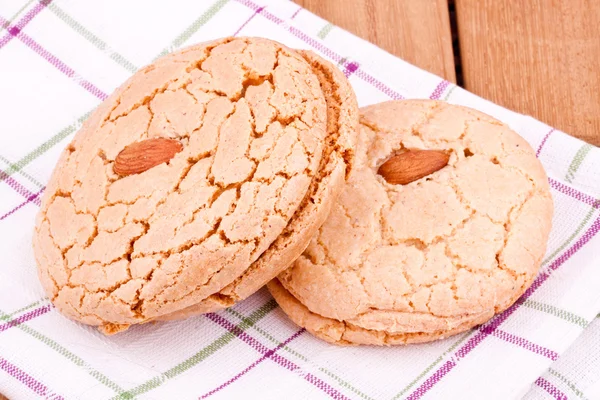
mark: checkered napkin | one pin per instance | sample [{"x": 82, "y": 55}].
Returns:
[{"x": 59, "y": 59}]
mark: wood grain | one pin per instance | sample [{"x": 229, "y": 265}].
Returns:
[
  {"x": 539, "y": 57},
  {"x": 416, "y": 30}
]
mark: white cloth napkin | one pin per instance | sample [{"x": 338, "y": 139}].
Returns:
[{"x": 59, "y": 59}]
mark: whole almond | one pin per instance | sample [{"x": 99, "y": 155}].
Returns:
[
  {"x": 407, "y": 167},
  {"x": 141, "y": 156}
]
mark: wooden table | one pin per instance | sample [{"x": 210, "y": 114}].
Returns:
[{"x": 537, "y": 57}]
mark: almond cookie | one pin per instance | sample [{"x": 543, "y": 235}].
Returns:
[
  {"x": 185, "y": 180},
  {"x": 442, "y": 224}
]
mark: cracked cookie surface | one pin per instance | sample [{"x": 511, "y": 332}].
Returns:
[
  {"x": 336, "y": 163},
  {"x": 251, "y": 118},
  {"x": 397, "y": 264}
]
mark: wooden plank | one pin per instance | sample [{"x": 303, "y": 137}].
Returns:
[
  {"x": 538, "y": 57},
  {"x": 416, "y": 30}
]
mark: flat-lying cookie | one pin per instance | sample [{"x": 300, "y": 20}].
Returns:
[
  {"x": 205, "y": 167},
  {"x": 423, "y": 244}
]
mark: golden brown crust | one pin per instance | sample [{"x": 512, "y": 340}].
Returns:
[
  {"x": 345, "y": 333},
  {"x": 251, "y": 117}
]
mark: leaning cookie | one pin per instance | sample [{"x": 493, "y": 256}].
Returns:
[
  {"x": 184, "y": 180},
  {"x": 338, "y": 156},
  {"x": 442, "y": 224}
]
